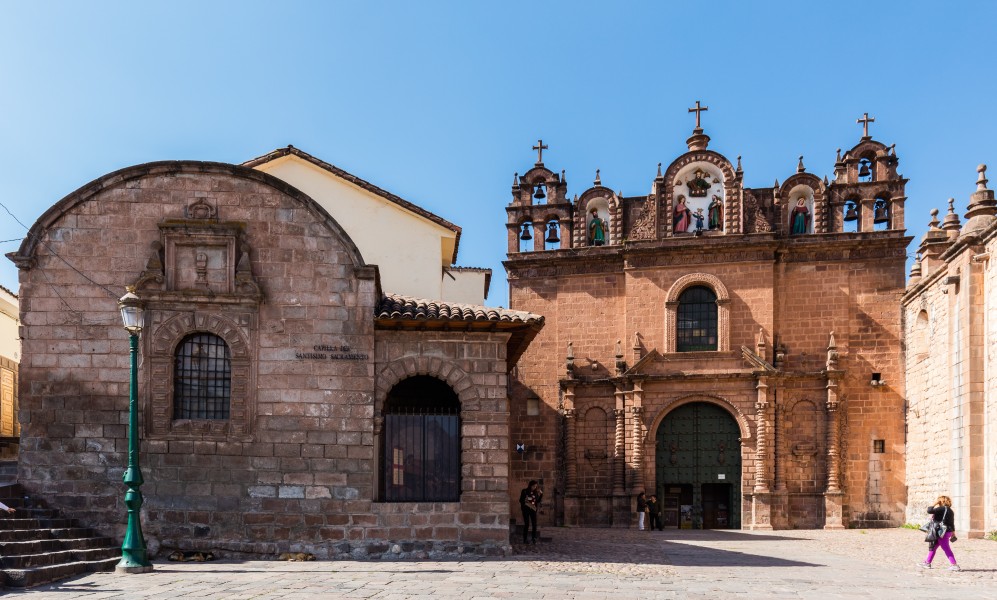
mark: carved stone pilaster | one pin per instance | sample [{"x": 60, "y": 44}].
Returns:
[
  {"x": 834, "y": 497},
  {"x": 619, "y": 454},
  {"x": 833, "y": 443},
  {"x": 761, "y": 444},
  {"x": 638, "y": 451},
  {"x": 571, "y": 476}
]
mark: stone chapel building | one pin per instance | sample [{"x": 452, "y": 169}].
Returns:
[
  {"x": 735, "y": 350},
  {"x": 950, "y": 318},
  {"x": 293, "y": 396}
]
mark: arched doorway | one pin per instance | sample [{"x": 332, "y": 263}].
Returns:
[{"x": 698, "y": 468}]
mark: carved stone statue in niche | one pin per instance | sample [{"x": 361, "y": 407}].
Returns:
[
  {"x": 716, "y": 210},
  {"x": 800, "y": 218},
  {"x": 597, "y": 230},
  {"x": 698, "y": 184},
  {"x": 683, "y": 216}
]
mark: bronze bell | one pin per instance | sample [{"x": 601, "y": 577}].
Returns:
[
  {"x": 880, "y": 215},
  {"x": 552, "y": 233},
  {"x": 850, "y": 213},
  {"x": 539, "y": 193},
  {"x": 864, "y": 170},
  {"x": 526, "y": 235}
]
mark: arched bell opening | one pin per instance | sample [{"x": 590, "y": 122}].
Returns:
[
  {"x": 881, "y": 215},
  {"x": 552, "y": 237},
  {"x": 526, "y": 236},
  {"x": 698, "y": 468},
  {"x": 850, "y": 222},
  {"x": 866, "y": 171}
]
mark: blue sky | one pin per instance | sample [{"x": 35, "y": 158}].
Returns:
[{"x": 440, "y": 102}]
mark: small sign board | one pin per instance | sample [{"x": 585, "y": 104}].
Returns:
[{"x": 721, "y": 476}]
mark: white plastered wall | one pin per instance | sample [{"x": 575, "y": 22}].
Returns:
[
  {"x": 10, "y": 342},
  {"x": 408, "y": 249}
]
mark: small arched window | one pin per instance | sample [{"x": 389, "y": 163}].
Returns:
[
  {"x": 421, "y": 442},
  {"x": 696, "y": 322},
  {"x": 202, "y": 378}
]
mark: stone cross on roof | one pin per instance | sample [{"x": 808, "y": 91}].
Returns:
[
  {"x": 698, "y": 109},
  {"x": 540, "y": 147},
  {"x": 865, "y": 120}
]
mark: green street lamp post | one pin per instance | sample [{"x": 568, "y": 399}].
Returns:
[{"x": 133, "y": 559}]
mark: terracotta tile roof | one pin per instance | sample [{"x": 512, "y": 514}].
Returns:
[
  {"x": 418, "y": 309},
  {"x": 365, "y": 185}
]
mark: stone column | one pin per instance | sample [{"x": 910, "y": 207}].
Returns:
[
  {"x": 619, "y": 455},
  {"x": 638, "y": 451},
  {"x": 833, "y": 497},
  {"x": 761, "y": 441},
  {"x": 570, "y": 462},
  {"x": 761, "y": 497}
]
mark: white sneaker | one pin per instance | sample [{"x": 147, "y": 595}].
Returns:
[
  {"x": 924, "y": 565},
  {"x": 954, "y": 568}
]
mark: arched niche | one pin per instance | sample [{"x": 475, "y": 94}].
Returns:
[
  {"x": 800, "y": 210},
  {"x": 695, "y": 189}
]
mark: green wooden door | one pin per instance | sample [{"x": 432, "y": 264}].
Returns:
[{"x": 698, "y": 457}]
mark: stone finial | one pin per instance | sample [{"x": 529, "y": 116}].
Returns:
[
  {"x": 515, "y": 181},
  {"x": 951, "y": 221},
  {"x": 832, "y": 354},
  {"x": 933, "y": 223},
  {"x": 738, "y": 169},
  {"x": 659, "y": 175},
  {"x": 837, "y": 159},
  {"x": 621, "y": 365},
  {"x": 564, "y": 177},
  {"x": 776, "y": 183},
  {"x": 598, "y": 179},
  {"x": 800, "y": 168},
  {"x": 760, "y": 344},
  {"x": 569, "y": 362},
  {"x": 982, "y": 207},
  {"x": 826, "y": 182},
  {"x": 915, "y": 270},
  {"x": 893, "y": 150}
]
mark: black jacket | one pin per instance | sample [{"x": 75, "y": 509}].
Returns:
[{"x": 943, "y": 514}]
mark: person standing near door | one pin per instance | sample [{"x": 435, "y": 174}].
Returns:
[
  {"x": 641, "y": 511},
  {"x": 529, "y": 502},
  {"x": 654, "y": 513}
]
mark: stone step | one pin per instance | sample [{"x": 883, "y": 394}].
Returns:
[
  {"x": 38, "y": 575},
  {"x": 37, "y": 546},
  {"x": 45, "y": 523},
  {"x": 15, "y": 535},
  {"x": 58, "y": 557}
]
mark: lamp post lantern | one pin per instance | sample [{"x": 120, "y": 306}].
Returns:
[{"x": 133, "y": 558}]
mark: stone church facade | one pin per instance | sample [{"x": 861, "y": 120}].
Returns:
[
  {"x": 287, "y": 403},
  {"x": 734, "y": 350},
  {"x": 950, "y": 317}
]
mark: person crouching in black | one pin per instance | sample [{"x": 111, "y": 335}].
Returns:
[{"x": 529, "y": 502}]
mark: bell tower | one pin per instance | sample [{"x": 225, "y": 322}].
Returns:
[
  {"x": 867, "y": 193},
  {"x": 540, "y": 214}
]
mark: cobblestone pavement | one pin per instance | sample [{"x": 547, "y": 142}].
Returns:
[{"x": 590, "y": 564}]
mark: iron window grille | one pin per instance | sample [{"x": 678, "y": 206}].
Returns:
[
  {"x": 202, "y": 378},
  {"x": 696, "y": 322}
]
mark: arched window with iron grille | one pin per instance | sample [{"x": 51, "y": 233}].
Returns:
[
  {"x": 421, "y": 442},
  {"x": 202, "y": 378},
  {"x": 696, "y": 323}
]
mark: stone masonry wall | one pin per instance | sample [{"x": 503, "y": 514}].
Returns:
[{"x": 303, "y": 478}]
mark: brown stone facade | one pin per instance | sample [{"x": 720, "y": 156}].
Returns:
[
  {"x": 949, "y": 317},
  {"x": 802, "y": 371},
  {"x": 297, "y": 464}
]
